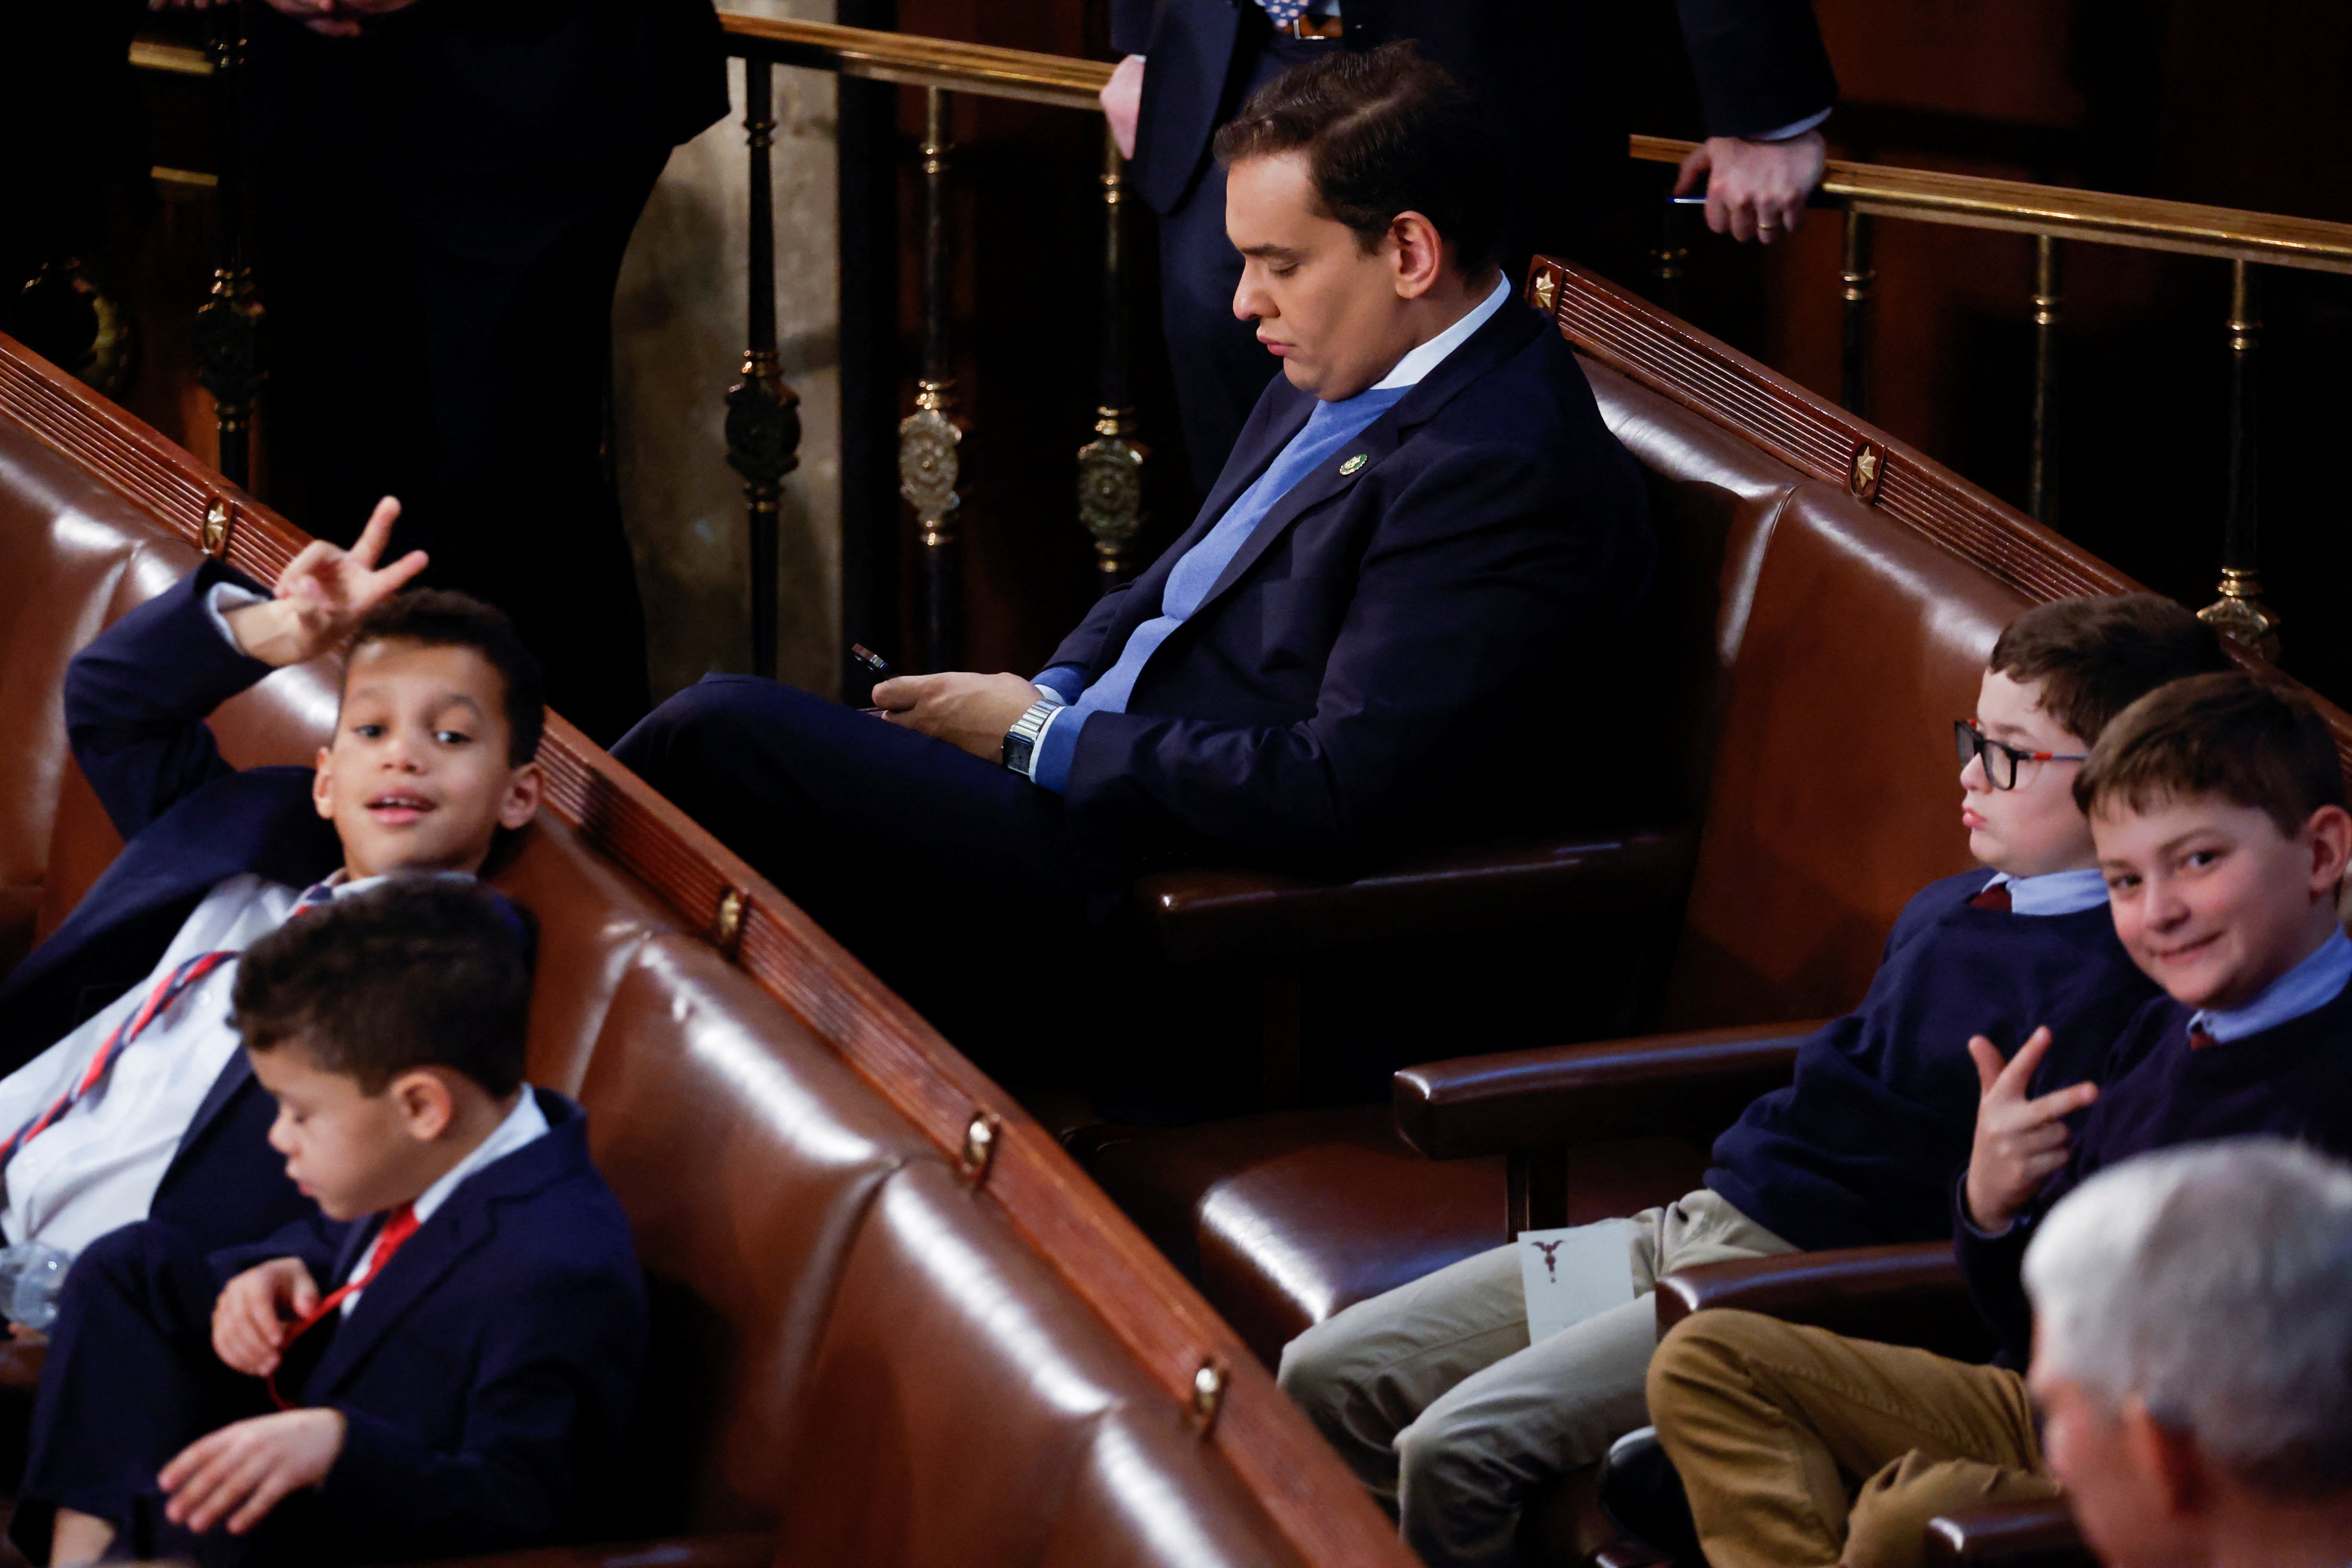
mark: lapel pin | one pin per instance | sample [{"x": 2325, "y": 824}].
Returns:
[{"x": 1352, "y": 464}]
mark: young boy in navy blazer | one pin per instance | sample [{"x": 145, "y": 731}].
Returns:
[
  {"x": 2218, "y": 804},
  {"x": 452, "y": 1359},
  {"x": 1434, "y": 1392},
  {"x": 125, "y": 1092}
]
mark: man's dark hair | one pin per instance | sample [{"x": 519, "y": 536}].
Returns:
[
  {"x": 2094, "y": 657},
  {"x": 2254, "y": 742},
  {"x": 421, "y": 972},
  {"x": 1385, "y": 131},
  {"x": 436, "y": 617}
]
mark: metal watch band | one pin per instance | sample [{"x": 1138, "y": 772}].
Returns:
[{"x": 1021, "y": 741}]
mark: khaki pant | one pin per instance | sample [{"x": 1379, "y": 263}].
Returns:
[
  {"x": 1766, "y": 1421},
  {"x": 1433, "y": 1396}
]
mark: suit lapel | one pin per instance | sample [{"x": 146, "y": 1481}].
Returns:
[
  {"x": 1503, "y": 335},
  {"x": 439, "y": 1246},
  {"x": 234, "y": 1076}
]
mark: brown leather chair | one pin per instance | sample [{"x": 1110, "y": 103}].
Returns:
[{"x": 893, "y": 1325}]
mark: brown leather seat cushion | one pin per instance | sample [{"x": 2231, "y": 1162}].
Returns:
[
  {"x": 955, "y": 1402},
  {"x": 746, "y": 1156},
  {"x": 1285, "y": 1218}
]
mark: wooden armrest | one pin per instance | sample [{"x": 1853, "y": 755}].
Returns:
[
  {"x": 2040, "y": 1533},
  {"x": 1214, "y": 914},
  {"x": 1909, "y": 1295},
  {"x": 1693, "y": 1084},
  {"x": 749, "y": 1549}
]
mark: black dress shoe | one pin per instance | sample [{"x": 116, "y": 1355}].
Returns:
[{"x": 1642, "y": 1495}]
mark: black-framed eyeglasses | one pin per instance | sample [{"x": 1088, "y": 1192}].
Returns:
[{"x": 2001, "y": 760}]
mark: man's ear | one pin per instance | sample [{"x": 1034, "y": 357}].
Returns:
[
  {"x": 425, "y": 1104},
  {"x": 2330, "y": 835},
  {"x": 1419, "y": 254},
  {"x": 322, "y": 783},
  {"x": 2176, "y": 1468},
  {"x": 521, "y": 804}
]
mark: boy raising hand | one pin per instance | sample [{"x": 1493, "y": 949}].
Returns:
[{"x": 125, "y": 1095}]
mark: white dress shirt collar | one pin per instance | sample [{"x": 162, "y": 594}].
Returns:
[
  {"x": 525, "y": 1122},
  {"x": 2053, "y": 892},
  {"x": 1419, "y": 361}
]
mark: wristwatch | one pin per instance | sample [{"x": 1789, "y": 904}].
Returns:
[{"x": 1021, "y": 741}]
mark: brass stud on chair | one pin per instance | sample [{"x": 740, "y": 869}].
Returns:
[
  {"x": 214, "y": 538},
  {"x": 980, "y": 1141},
  {"x": 727, "y": 929},
  {"x": 1861, "y": 479},
  {"x": 1209, "y": 1394}
]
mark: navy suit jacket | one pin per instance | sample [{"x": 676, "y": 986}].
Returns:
[
  {"x": 136, "y": 700},
  {"x": 490, "y": 1369},
  {"x": 1391, "y": 656},
  {"x": 1549, "y": 70}
]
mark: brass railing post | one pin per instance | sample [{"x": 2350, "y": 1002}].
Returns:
[
  {"x": 229, "y": 325},
  {"x": 1110, "y": 467},
  {"x": 928, "y": 438},
  {"x": 2240, "y": 613},
  {"x": 763, "y": 421},
  {"x": 1859, "y": 280},
  {"x": 2041, "y": 485},
  {"x": 1669, "y": 259}
]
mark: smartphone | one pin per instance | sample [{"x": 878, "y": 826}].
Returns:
[{"x": 873, "y": 665}]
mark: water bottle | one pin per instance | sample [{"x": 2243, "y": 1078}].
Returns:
[{"x": 32, "y": 1273}]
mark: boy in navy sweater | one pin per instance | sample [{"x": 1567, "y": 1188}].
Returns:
[
  {"x": 2218, "y": 806},
  {"x": 1433, "y": 1392},
  {"x": 452, "y": 1362}
]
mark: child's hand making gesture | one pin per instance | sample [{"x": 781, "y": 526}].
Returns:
[
  {"x": 2020, "y": 1141},
  {"x": 323, "y": 594}
]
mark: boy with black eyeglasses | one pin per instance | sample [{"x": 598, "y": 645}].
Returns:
[{"x": 1433, "y": 1392}]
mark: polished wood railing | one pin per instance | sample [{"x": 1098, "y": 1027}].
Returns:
[{"x": 764, "y": 430}]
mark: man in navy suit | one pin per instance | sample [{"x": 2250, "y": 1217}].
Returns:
[
  {"x": 124, "y": 1092},
  {"x": 1548, "y": 71},
  {"x": 452, "y": 1362},
  {"x": 1425, "y": 534}
]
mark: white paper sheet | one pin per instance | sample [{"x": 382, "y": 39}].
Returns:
[{"x": 1569, "y": 1275}]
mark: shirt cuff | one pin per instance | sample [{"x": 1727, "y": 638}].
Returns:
[
  {"x": 1063, "y": 681},
  {"x": 223, "y": 598},
  {"x": 1791, "y": 130},
  {"x": 1049, "y": 764}
]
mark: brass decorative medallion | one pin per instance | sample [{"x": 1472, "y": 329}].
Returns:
[
  {"x": 217, "y": 517},
  {"x": 1862, "y": 481},
  {"x": 927, "y": 468},
  {"x": 1352, "y": 464},
  {"x": 1110, "y": 488},
  {"x": 980, "y": 1141},
  {"x": 1546, "y": 289}
]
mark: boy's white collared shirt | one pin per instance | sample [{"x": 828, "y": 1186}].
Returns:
[
  {"x": 2307, "y": 988},
  {"x": 2053, "y": 892}
]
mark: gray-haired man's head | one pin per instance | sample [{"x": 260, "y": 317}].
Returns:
[{"x": 2193, "y": 1330}]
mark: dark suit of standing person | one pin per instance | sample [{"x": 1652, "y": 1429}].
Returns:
[
  {"x": 1360, "y": 643},
  {"x": 447, "y": 187},
  {"x": 1545, "y": 69}
]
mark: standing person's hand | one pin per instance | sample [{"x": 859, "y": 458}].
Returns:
[
  {"x": 969, "y": 711},
  {"x": 1122, "y": 102},
  {"x": 1755, "y": 190},
  {"x": 2020, "y": 1141},
  {"x": 323, "y": 594}
]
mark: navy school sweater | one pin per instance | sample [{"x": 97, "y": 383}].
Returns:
[
  {"x": 2294, "y": 1080},
  {"x": 1861, "y": 1149}
]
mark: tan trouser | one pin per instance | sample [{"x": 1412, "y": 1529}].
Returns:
[
  {"x": 1433, "y": 1396},
  {"x": 1765, "y": 1421}
]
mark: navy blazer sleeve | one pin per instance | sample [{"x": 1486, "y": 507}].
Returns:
[
  {"x": 1761, "y": 64},
  {"x": 1130, "y": 26},
  {"x": 1477, "y": 564},
  {"x": 553, "y": 1373},
  {"x": 314, "y": 1238},
  {"x": 136, "y": 700}
]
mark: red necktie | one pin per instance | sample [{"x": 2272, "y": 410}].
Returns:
[
  {"x": 2198, "y": 1039},
  {"x": 398, "y": 1226},
  {"x": 1993, "y": 898}
]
